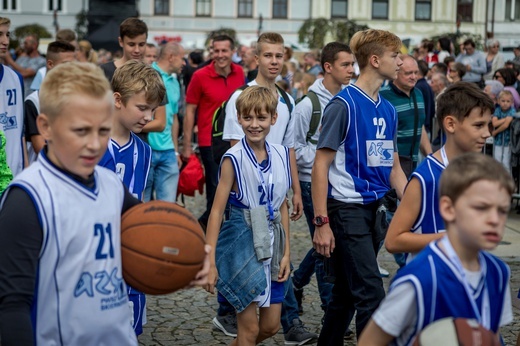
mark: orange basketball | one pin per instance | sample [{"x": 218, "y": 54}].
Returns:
[{"x": 162, "y": 247}]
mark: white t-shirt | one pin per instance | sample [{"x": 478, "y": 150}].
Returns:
[{"x": 281, "y": 133}]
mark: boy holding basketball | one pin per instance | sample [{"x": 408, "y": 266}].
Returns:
[
  {"x": 464, "y": 113},
  {"x": 251, "y": 258},
  {"x": 454, "y": 276},
  {"x": 138, "y": 91},
  {"x": 61, "y": 276}
]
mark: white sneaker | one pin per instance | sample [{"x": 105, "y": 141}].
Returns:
[{"x": 383, "y": 272}]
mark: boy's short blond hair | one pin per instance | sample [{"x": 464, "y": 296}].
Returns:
[
  {"x": 370, "y": 42},
  {"x": 469, "y": 168},
  {"x": 65, "y": 81},
  {"x": 268, "y": 37},
  {"x": 256, "y": 99},
  {"x": 459, "y": 99},
  {"x": 134, "y": 77},
  {"x": 5, "y": 21},
  {"x": 504, "y": 93}
]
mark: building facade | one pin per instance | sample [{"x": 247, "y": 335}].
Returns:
[{"x": 189, "y": 21}]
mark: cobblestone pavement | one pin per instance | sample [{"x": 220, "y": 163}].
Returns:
[{"x": 184, "y": 318}]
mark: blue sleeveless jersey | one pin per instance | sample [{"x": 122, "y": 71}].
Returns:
[
  {"x": 429, "y": 174},
  {"x": 11, "y": 117},
  {"x": 130, "y": 161},
  {"x": 250, "y": 192},
  {"x": 440, "y": 292},
  {"x": 360, "y": 172}
]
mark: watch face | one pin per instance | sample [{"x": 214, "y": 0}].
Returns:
[{"x": 318, "y": 221}]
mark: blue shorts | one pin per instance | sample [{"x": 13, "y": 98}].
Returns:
[
  {"x": 277, "y": 293},
  {"x": 138, "y": 301}
]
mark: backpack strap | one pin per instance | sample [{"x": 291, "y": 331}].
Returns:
[
  {"x": 286, "y": 99},
  {"x": 315, "y": 117}
]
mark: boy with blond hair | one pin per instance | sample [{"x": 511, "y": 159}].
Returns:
[
  {"x": 464, "y": 113},
  {"x": 355, "y": 167},
  {"x": 138, "y": 91},
  {"x": 60, "y": 224},
  {"x": 255, "y": 175},
  {"x": 454, "y": 276}
]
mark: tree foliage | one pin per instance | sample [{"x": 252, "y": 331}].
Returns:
[
  {"x": 459, "y": 37},
  {"x": 81, "y": 24},
  {"x": 315, "y": 31},
  {"x": 32, "y": 29},
  {"x": 222, "y": 31}
]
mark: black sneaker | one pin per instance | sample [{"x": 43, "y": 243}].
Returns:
[
  {"x": 227, "y": 324},
  {"x": 298, "y": 294},
  {"x": 299, "y": 335}
]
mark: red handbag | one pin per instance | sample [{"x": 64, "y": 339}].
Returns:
[{"x": 191, "y": 177}]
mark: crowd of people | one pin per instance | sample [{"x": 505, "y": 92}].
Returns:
[{"x": 362, "y": 134}]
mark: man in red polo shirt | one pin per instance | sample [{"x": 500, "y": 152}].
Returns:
[{"x": 208, "y": 88}]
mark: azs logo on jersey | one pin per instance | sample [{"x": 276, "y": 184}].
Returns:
[
  {"x": 8, "y": 122},
  {"x": 109, "y": 286},
  {"x": 380, "y": 153}
]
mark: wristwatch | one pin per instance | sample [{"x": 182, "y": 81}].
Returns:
[{"x": 320, "y": 220}]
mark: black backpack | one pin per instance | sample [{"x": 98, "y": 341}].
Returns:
[
  {"x": 315, "y": 117},
  {"x": 219, "y": 146}
]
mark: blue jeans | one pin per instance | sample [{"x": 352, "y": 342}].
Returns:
[
  {"x": 310, "y": 264},
  {"x": 163, "y": 176},
  {"x": 289, "y": 307},
  {"x": 358, "y": 286}
]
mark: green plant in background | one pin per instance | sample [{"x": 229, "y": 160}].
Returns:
[
  {"x": 222, "y": 31},
  {"x": 459, "y": 37},
  {"x": 315, "y": 31},
  {"x": 29, "y": 29},
  {"x": 81, "y": 25}
]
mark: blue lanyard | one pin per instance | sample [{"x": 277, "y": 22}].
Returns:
[
  {"x": 266, "y": 187},
  {"x": 484, "y": 318}
]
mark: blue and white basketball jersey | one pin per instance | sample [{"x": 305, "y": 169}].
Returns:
[
  {"x": 131, "y": 162},
  {"x": 276, "y": 173},
  {"x": 11, "y": 117},
  {"x": 360, "y": 172},
  {"x": 80, "y": 296},
  {"x": 35, "y": 99},
  {"x": 440, "y": 291},
  {"x": 428, "y": 173}
]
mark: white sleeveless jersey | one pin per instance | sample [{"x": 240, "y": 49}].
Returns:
[
  {"x": 34, "y": 97},
  {"x": 11, "y": 116},
  {"x": 80, "y": 296},
  {"x": 276, "y": 175}
]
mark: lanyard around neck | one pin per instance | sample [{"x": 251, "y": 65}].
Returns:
[
  {"x": 268, "y": 189},
  {"x": 484, "y": 317}
]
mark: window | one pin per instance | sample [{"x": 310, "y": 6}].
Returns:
[
  {"x": 245, "y": 8},
  {"x": 55, "y": 5},
  {"x": 9, "y": 5},
  {"x": 465, "y": 10},
  {"x": 162, "y": 7},
  {"x": 423, "y": 9},
  {"x": 512, "y": 10},
  {"x": 339, "y": 9},
  {"x": 279, "y": 8},
  {"x": 379, "y": 9},
  {"x": 203, "y": 8}
]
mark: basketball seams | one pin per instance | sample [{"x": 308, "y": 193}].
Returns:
[
  {"x": 133, "y": 250},
  {"x": 192, "y": 231}
]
